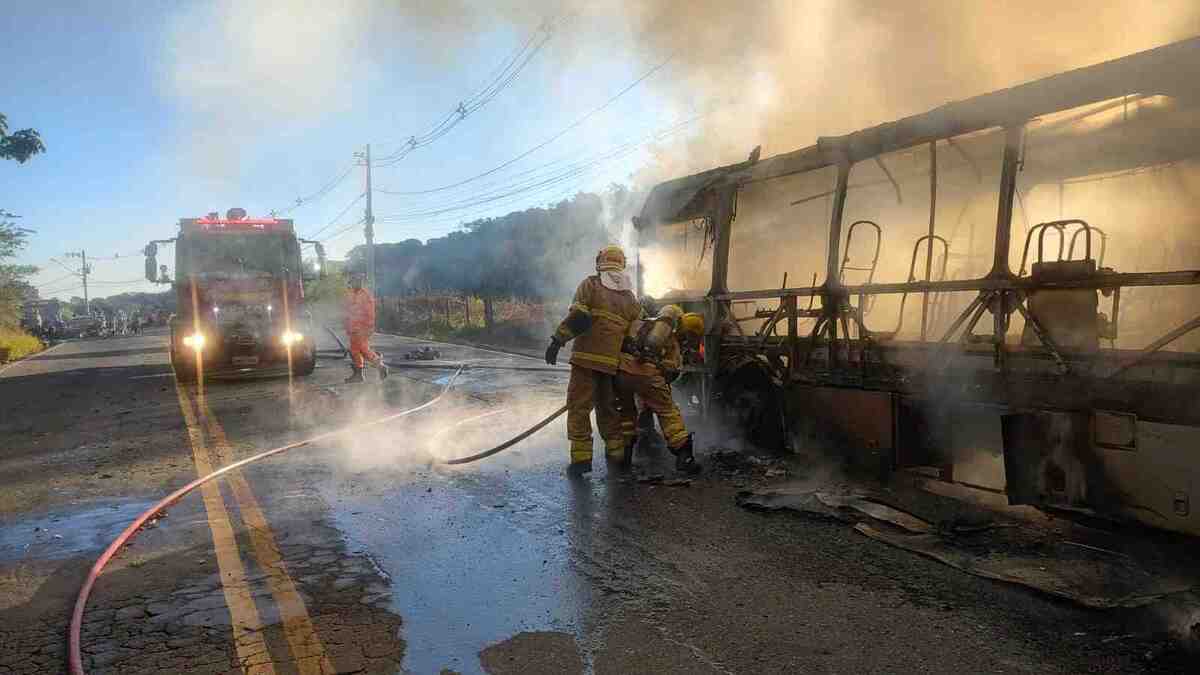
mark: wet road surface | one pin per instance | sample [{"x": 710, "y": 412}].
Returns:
[{"x": 362, "y": 554}]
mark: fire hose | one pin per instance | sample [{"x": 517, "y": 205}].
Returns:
[
  {"x": 74, "y": 640},
  {"x": 506, "y": 444}
]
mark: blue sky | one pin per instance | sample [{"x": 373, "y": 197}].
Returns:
[{"x": 153, "y": 111}]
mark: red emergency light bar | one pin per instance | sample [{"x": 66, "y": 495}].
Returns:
[
  {"x": 242, "y": 224},
  {"x": 242, "y": 221}
]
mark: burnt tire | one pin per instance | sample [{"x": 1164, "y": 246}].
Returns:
[{"x": 750, "y": 402}]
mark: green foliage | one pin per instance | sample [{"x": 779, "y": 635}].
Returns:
[
  {"x": 13, "y": 289},
  {"x": 130, "y": 303},
  {"x": 19, "y": 145},
  {"x": 330, "y": 288},
  {"x": 534, "y": 254}
]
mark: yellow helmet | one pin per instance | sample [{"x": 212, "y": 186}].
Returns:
[
  {"x": 692, "y": 324},
  {"x": 610, "y": 259},
  {"x": 671, "y": 313}
]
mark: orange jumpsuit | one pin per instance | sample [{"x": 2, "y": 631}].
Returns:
[{"x": 360, "y": 323}]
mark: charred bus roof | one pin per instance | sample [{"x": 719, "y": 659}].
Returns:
[{"x": 1171, "y": 70}]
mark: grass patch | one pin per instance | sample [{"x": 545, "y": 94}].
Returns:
[{"x": 18, "y": 343}]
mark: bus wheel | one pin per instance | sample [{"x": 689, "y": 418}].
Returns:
[{"x": 750, "y": 401}]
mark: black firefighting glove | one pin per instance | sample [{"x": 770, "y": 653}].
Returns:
[{"x": 552, "y": 352}]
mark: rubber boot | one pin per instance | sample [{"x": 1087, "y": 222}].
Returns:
[
  {"x": 685, "y": 461},
  {"x": 578, "y": 469},
  {"x": 383, "y": 370},
  {"x": 356, "y": 376},
  {"x": 629, "y": 450},
  {"x": 617, "y": 464}
]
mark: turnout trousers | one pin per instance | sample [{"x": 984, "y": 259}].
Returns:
[
  {"x": 586, "y": 390},
  {"x": 655, "y": 394},
  {"x": 360, "y": 350}
]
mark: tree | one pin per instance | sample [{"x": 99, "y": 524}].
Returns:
[
  {"x": 19, "y": 145},
  {"x": 13, "y": 289}
]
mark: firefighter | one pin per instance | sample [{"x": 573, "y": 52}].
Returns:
[
  {"x": 650, "y": 362},
  {"x": 603, "y": 307},
  {"x": 360, "y": 323}
]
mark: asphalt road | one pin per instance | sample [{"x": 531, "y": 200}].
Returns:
[{"x": 360, "y": 554}]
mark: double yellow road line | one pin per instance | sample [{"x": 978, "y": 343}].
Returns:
[{"x": 211, "y": 450}]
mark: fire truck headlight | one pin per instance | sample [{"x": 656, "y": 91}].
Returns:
[
  {"x": 290, "y": 338},
  {"x": 195, "y": 341}
]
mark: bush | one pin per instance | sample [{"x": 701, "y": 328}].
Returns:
[{"x": 18, "y": 343}]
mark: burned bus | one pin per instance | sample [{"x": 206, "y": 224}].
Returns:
[{"x": 999, "y": 295}]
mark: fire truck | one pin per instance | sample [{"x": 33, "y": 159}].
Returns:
[{"x": 240, "y": 296}]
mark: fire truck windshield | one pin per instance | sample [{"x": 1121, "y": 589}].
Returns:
[{"x": 239, "y": 254}]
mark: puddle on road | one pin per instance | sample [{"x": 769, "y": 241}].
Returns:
[
  {"x": 474, "y": 557},
  {"x": 64, "y": 533}
]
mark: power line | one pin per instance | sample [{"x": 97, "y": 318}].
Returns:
[
  {"x": 539, "y": 184},
  {"x": 502, "y": 181},
  {"x": 56, "y": 281},
  {"x": 63, "y": 289},
  {"x": 75, "y": 272},
  {"x": 118, "y": 283},
  {"x": 500, "y": 81},
  {"x": 337, "y": 217},
  {"x": 342, "y": 231},
  {"x": 324, "y": 190},
  {"x": 118, "y": 256},
  {"x": 571, "y": 127}
]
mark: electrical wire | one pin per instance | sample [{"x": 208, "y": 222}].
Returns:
[
  {"x": 62, "y": 265},
  {"x": 316, "y": 196},
  {"x": 500, "y": 81},
  {"x": 570, "y": 127},
  {"x": 573, "y": 159},
  {"x": 119, "y": 256},
  {"x": 64, "y": 289},
  {"x": 342, "y": 231},
  {"x": 543, "y": 183},
  {"x": 337, "y": 217},
  {"x": 101, "y": 282},
  {"x": 56, "y": 281}
]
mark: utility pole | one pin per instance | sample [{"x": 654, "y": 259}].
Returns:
[
  {"x": 369, "y": 230},
  {"x": 83, "y": 272}
]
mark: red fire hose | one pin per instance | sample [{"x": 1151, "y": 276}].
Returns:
[{"x": 74, "y": 656}]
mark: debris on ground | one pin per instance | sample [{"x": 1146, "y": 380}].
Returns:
[
  {"x": 735, "y": 463},
  {"x": 1100, "y": 581},
  {"x": 425, "y": 353},
  {"x": 661, "y": 479},
  {"x": 1089, "y": 574}
]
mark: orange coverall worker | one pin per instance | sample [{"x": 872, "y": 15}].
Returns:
[
  {"x": 360, "y": 323},
  {"x": 597, "y": 321}
]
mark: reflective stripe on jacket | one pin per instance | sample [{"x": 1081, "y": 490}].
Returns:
[{"x": 599, "y": 348}]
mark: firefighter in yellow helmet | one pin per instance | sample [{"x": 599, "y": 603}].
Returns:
[
  {"x": 650, "y": 361},
  {"x": 599, "y": 316}
]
